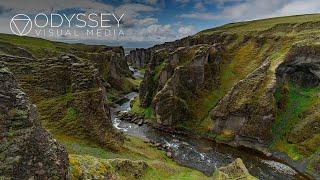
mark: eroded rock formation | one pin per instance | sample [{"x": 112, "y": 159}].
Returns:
[
  {"x": 247, "y": 110},
  {"x": 69, "y": 93},
  {"x": 27, "y": 151}
]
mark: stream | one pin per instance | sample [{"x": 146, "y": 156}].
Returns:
[{"x": 202, "y": 154}]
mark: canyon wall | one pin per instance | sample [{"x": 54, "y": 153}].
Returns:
[{"x": 254, "y": 87}]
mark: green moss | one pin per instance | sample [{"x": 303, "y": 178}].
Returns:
[
  {"x": 148, "y": 113},
  {"x": 293, "y": 102},
  {"x": 112, "y": 95},
  {"x": 290, "y": 149},
  {"x": 10, "y": 134},
  {"x": 71, "y": 114},
  {"x": 129, "y": 84},
  {"x": 137, "y": 109},
  {"x": 313, "y": 165},
  {"x": 84, "y": 154},
  {"x": 299, "y": 100},
  {"x": 244, "y": 59},
  {"x": 158, "y": 70}
]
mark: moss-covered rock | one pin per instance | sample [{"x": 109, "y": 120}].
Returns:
[
  {"x": 89, "y": 167},
  {"x": 70, "y": 95},
  {"x": 298, "y": 119},
  {"x": 247, "y": 109},
  {"x": 177, "y": 80},
  {"x": 27, "y": 151},
  {"x": 233, "y": 171}
]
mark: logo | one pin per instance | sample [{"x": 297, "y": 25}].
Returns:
[
  {"x": 77, "y": 25},
  {"x": 21, "y": 25}
]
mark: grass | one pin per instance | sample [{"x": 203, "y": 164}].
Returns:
[
  {"x": 158, "y": 70},
  {"x": 262, "y": 25},
  {"x": 42, "y": 48},
  {"x": 112, "y": 95},
  {"x": 160, "y": 166},
  {"x": 137, "y": 109},
  {"x": 295, "y": 101}
]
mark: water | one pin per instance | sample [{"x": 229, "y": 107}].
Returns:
[
  {"x": 201, "y": 154},
  {"x": 136, "y": 73}
]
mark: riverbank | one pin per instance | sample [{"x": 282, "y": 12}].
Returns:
[{"x": 201, "y": 153}]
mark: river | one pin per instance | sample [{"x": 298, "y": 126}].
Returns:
[{"x": 199, "y": 153}]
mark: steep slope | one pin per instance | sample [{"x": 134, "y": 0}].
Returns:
[
  {"x": 74, "y": 87},
  {"x": 252, "y": 84},
  {"x": 70, "y": 84},
  {"x": 27, "y": 150}
]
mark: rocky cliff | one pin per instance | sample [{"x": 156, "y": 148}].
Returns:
[
  {"x": 70, "y": 84},
  {"x": 69, "y": 93},
  {"x": 252, "y": 84},
  {"x": 27, "y": 150}
]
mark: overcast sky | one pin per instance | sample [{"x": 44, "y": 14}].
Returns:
[{"x": 149, "y": 22}]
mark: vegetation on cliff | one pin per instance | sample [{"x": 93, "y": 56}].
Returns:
[
  {"x": 230, "y": 105},
  {"x": 73, "y": 87}
]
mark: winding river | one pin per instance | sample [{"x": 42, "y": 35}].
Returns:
[{"x": 202, "y": 154}]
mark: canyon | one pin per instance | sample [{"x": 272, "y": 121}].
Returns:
[{"x": 248, "y": 90}]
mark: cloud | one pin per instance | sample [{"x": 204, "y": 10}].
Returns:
[
  {"x": 152, "y": 1},
  {"x": 186, "y": 31},
  {"x": 148, "y": 21},
  {"x": 158, "y": 32},
  {"x": 133, "y": 13},
  {"x": 198, "y": 15},
  {"x": 182, "y": 1},
  {"x": 299, "y": 7},
  {"x": 199, "y": 6},
  {"x": 45, "y": 6},
  {"x": 255, "y": 9}
]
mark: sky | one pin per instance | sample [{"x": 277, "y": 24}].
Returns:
[{"x": 149, "y": 22}]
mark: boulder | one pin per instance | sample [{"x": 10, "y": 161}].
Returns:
[{"x": 235, "y": 170}]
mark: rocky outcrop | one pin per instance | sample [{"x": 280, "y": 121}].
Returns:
[
  {"x": 89, "y": 167},
  {"x": 195, "y": 69},
  {"x": 69, "y": 93},
  {"x": 27, "y": 151},
  {"x": 259, "y": 86},
  {"x": 8, "y": 48},
  {"x": 301, "y": 66},
  {"x": 139, "y": 57},
  {"x": 235, "y": 170},
  {"x": 112, "y": 66},
  {"x": 246, "y": 112},
  {"x": 298, "y": 82},
  {"x": 147, "y": 88}
]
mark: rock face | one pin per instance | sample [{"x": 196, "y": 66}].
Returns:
[
  {"x": 298, "y": 86},
  {"x": 27, "y": 150},
  {"x": 239, "y": 84},
  {"x": 139, "y": 57},
  {"x": 111, "y": 65},
  {"x": 301, "y": 66},
  {"x": 235, "y": 170},
  {"x": 239, "y": 112},
  {"x": 69, "y": 93},
  {"x": 174, "y": 78}
]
